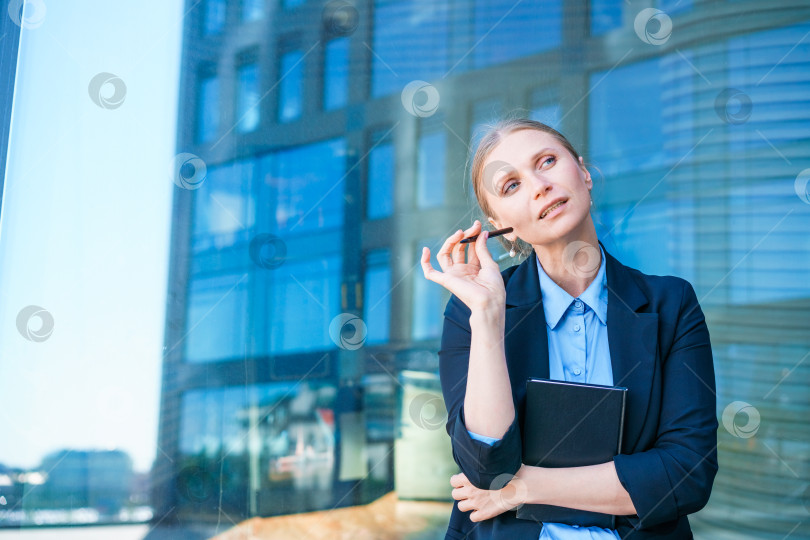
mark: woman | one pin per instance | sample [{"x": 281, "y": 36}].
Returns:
[{"x": 570, "y": 311}]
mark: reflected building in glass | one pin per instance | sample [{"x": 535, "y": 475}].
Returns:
[{"x": 300, "y": 329}]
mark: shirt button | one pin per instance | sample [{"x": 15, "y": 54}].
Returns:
[
  {"x": 576, "y": 328},
  {"x": 578, "y": 304},
  {"x": 577, "y": 371}
]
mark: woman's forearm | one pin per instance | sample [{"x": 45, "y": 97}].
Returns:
[
  {"x": 595, "y": 488},
  {"x": 488, "y": 405}
]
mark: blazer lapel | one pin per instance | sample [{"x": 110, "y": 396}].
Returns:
[
  {"x": 633, "y": 343},
  {"x": 632, "y": 338}
]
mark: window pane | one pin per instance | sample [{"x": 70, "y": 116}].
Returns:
[
  {"x": 217, "y": 320},
  {"x": 381, "y": 171},
  {"x": 214, "y": 16},
  {"x": 224, "y": 207},
  {"x": 431, "y": 167},
  {"x": 252, "y": 10},
  {"x": 377, "y": 296},
  {"x": 291, "y": 85},
  {"x": 605, "y": 15},
  {"x": 428, "y": 301},
  {"x": 247, "y": 109},
  {"x": 410, "y": 42},
  {"x": 505, "y": 30},
  {"x": 336, "y": 74},
  {"x": 208, "y": 109}
]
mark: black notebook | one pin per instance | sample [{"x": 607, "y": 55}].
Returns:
[{"x": 570, "y": 424}]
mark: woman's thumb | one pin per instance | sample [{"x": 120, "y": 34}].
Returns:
[{"x": 482, "y": 251}]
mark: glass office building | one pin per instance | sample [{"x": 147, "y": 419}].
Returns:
[{"x": 322, "y": 144}]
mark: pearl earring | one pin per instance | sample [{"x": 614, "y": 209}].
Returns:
[{"x": 512, "y": 251}]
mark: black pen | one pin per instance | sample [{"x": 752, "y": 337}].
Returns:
[{"x": 492, "y": 234}]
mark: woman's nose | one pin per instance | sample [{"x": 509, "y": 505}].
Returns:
[{"x": 540, "y": 184}]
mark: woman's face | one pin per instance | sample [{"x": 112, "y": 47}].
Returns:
[{"x": 528, "y": 173}]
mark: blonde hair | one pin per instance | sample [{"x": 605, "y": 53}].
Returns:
[{"x": 494, "y": 135}]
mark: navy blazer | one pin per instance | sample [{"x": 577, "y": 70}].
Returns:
[{"x": 659, "y": 349}]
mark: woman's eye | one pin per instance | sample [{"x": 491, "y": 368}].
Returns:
[
  {"x": 508, "y": 186},
  {"x": 548, "y": 160}
]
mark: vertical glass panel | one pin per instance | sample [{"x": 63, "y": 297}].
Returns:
[
  {"x": 381, "y": 176},
  {"x": 208, "y": 108},
  {"x": 431, "y": 170},
  {"x": 291, "y": 73},
  {"x": 619, "y": 141},
  {"x": 377, "y": 296},
  {"x": 428, "y": 297},
  {"x": 550, "y": 115},
  {"x": 336, "y": 74},
  {"x": 410, "y": 42},
  {"x": 247, "y": 98},
  {"x": 252, "y": 10},
  {"x": 605, "y": 15},
  {"x": 288, "y": 4},
  {"x": 224, "y": 207},
  {"x": 214, "y": 16},
  {"x": 305, "y": 191},
  {"x": 217, "y": 322},
  {"x": 505, "y": 30}
]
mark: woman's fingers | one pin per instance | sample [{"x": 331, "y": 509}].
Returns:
[
  {"x": 444, "y": 256},
  {"x": 484, "y": 256}
]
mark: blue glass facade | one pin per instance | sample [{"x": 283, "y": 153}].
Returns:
[{"x": 694, "y": 145}]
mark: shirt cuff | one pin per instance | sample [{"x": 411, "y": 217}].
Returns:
[{"x": 483, "y": 438}]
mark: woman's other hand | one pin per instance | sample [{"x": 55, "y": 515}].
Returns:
[
  {"x": 485, "y": 503},
  {"x": 477, "y": 282}
]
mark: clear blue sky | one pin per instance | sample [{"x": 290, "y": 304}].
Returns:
[{"x": 84, "y": 230}]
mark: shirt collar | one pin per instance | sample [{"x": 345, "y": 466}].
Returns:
[{"x": 556, "y": 300}]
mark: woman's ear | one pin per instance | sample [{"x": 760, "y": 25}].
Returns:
[{"x": 588, "y": 181}]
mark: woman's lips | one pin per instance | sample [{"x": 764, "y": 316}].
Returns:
[{"x": 555, "y": 211}]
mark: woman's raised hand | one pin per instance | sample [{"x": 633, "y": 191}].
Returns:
[{"x": 478, "y": 281}]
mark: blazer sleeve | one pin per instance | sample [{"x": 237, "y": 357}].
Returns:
[
  {"x": 482, "y": 463},
  {"x": 675, "y": 476}
]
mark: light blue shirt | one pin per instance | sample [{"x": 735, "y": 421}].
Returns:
[{"x": 577, "y": 351}]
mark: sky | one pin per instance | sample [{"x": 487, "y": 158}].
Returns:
[{"x": 85, "y": 229}]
